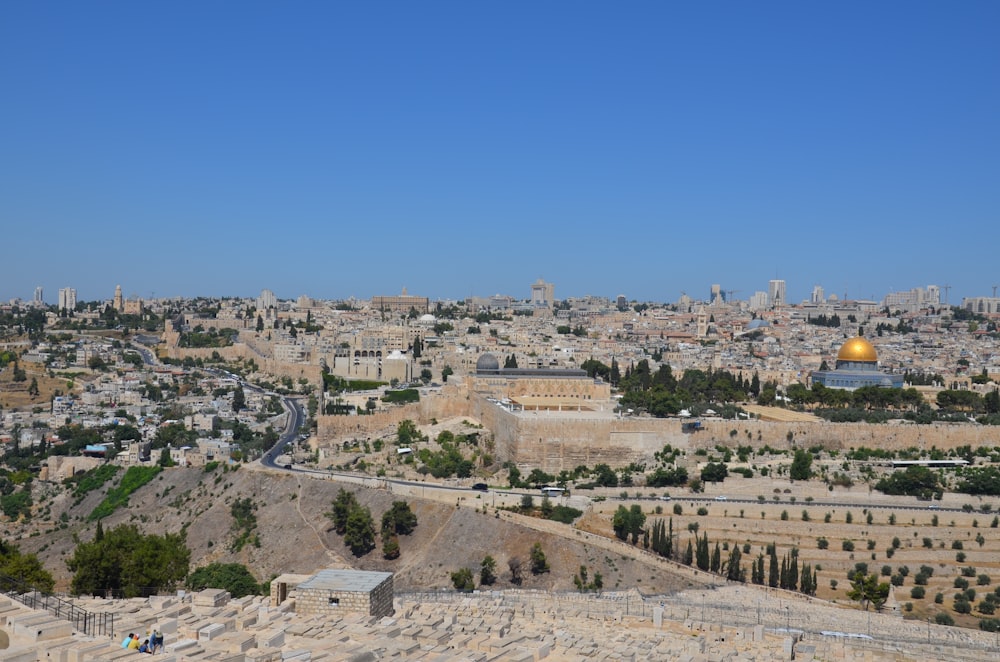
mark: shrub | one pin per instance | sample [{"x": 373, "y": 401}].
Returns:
[
  {"x": 822, "y": 543},
  {"x": 847, "y": 545},
  {"x": 990, "y": 625},
  {"x": 928, "y": 543},
  {"x": 944, "y": 619},
  {"x": 961, "y": 582},
  {"x": 983, "y": 580},
  {"x": 968, "y": 571},
  {"x": 956, "y": 544},
  {"x": 918, "y": 592},
  {"x": 938, "y": 598}
]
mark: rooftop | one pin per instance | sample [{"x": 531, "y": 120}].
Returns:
[{"x": 345, "y": 580}]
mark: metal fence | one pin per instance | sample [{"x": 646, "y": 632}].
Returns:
[{"x": 82, "y": 620}]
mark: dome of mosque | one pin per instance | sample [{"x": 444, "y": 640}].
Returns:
[
  {"x": 487, "y": 362},
  {"x": 857, "y": 350}
]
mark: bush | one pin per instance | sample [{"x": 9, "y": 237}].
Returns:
[
  {"x": 462, "y": 580},
  {"x": 847, "y": 545},
  {"x": 961, "y": 582},
  {"x": 232, "y": 577},
  {"x": 990, "y": 625},
  {"x": 938, "y": 598},
  {"x": 918, "y": 592},
  {"x": 983, "y": 580},
  {"x": 963, "y": 607},
  {"x": 944, "y": 619},
  {"x": 822, "y": 543}
]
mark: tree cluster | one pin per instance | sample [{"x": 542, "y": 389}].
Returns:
[
  {"x": 127, "y": 562},
  {"x": 354, "y": 521}
]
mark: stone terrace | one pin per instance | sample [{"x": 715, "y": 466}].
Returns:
[{"x": 731, "y": 623}]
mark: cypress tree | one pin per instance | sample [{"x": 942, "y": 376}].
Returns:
[{"x": 772, "y": 575}]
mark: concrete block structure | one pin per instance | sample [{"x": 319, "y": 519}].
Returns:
[{"x": 331, "y": 592}]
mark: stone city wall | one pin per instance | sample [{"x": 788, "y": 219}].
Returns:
[
  {"x": 453, "y": 402},
  {"x": 843, "y": 436},
  {"x": 295, "y": 371},
  {"x": 554, "y": 441}
]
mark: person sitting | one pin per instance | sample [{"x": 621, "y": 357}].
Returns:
[
  {"x": 134, "y": 644},
  {"x": 145, "y": 647},
  {"x": 127, "y": 640}
]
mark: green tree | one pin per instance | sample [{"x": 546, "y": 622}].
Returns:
[
  {"x": 714, "y": 472},
  {"x": 399, "y": 519},
  {"x": 359, "y": 533},
  {"x": 462, "y": 580},
  {"x": 129, "y": 562},
  {"x": 343, "y": 504},
  {"x": 25, "y": 568},
  {"x": 165, "y": 459},
  {"x": 538, "y": 562},
  {"x": 239, "y": 400},
  {"x": 801, "y": 468},
  {"x": 232, "y": 577},
  {"x": 868, "y": 591},
  {"x": 488, "y": 571}
]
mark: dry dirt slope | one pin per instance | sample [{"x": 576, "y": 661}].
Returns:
[{"x": 295, "y": 535}]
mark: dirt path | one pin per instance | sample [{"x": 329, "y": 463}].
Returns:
[{"x": 334, "y": 557}]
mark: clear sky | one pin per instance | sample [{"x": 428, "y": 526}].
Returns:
[{"x": 341, "y": 149}]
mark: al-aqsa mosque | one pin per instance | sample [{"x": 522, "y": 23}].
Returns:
[{"x": 857, "y": 366}]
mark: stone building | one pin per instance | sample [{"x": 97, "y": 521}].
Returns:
[
  {"x": 333, "y": 591},
  {"x": 857, "y": 366},
  {"x": 539, "y": 389}
]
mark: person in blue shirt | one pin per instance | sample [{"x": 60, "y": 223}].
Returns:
[{"x": 128, "y": 640}]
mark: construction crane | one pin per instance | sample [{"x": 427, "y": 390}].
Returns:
[
  {"x": 946, "y": 288},
  {"x": 994, "y": 291},
  {"x": 730, "y": 293}
]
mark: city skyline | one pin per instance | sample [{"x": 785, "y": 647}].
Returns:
[{"x": 459, "y": 150}]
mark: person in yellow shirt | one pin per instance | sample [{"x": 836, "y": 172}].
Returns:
[{"x": 134, "y": 644}]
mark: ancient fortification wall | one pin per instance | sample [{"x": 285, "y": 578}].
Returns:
[
  {"x": 453, "y": 402},
  {"x": 554, "y": 441},
  {"x": 844, "y": 435}
]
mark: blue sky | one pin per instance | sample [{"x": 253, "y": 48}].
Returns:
[{"x": 469, "y": 148}]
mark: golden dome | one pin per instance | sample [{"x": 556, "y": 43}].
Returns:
[{"x": 859, "y": 350}]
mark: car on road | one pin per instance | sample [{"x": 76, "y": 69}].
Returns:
[
  {"x": 481, "y": 487},
  {"x": 720, "y": 498}
]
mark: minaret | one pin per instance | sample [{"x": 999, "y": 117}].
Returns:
[{"x": 118, "y": 304}]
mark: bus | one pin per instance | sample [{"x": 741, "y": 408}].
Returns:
[{"x": 553, "y": 491}]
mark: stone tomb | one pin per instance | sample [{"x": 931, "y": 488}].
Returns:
[{"x": 331, "y": 592}]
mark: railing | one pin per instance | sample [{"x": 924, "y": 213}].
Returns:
[{"x": 82, "y": 620}]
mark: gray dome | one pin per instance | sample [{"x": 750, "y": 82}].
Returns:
[
  {"x": 487, "y": 362},
  {"x": 757, "y": 324}
]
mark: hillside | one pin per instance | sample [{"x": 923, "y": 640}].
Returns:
[{"x": 295, "y": 534}]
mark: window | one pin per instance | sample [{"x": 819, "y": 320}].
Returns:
[{"x": 334, "y": 602}]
